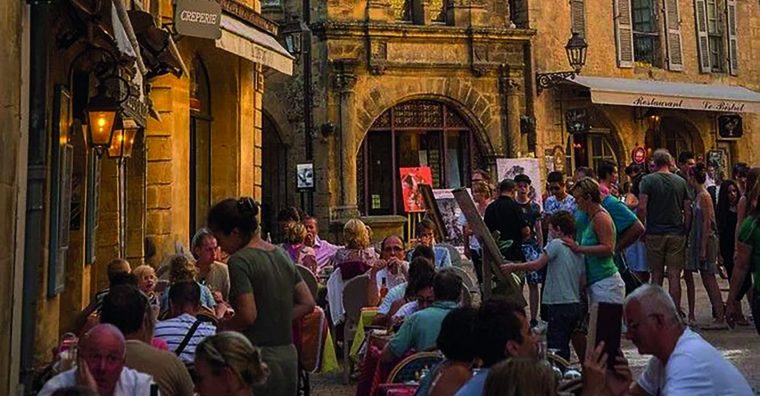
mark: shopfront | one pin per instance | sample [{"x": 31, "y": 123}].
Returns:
[{"x": 608, "y": 118}]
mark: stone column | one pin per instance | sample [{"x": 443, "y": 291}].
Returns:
[
  {"x": 513, "y": 98},
  {"x": 345, "y": 80}
]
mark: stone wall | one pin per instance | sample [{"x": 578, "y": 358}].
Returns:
[{"x": 13, "y": 117}]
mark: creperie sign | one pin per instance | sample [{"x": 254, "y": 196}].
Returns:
[{"x": 198, "y": 18}]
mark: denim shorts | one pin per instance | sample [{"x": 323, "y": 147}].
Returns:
[{"x": 610, "y": 290}]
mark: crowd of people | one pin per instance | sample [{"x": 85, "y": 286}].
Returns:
[{"x": 224, "y": 325}]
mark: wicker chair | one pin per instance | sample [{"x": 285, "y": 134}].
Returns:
[{"x": 410, "y": 368}]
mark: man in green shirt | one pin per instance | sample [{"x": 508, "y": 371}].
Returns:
[{"x": 420, "y": 330}]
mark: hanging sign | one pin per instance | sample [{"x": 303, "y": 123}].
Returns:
[
  {"x": 198, "y": 18},
  {"x": 639, "y": 155},
  {"x": 305, "y": 177}
]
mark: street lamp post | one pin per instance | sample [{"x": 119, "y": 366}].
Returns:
[{"x": 575, "y": 49}]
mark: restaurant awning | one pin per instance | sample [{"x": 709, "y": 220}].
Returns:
[
  {"x": 253, "y": 44},
  {"x": 670, "y": 95}
]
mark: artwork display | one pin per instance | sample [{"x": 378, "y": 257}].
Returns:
[
  {"x": 450, "y": 216},
  {"x": 508, "y": 168},
  {"x": 411, "y": 178}
]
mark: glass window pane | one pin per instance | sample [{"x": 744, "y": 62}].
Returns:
[{"x": 380, "y": 175}]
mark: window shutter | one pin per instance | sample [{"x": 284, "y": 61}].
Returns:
[
  {"x": 703, "y": 40},
  {"x": 673, "y": 35},
  {"x": 624, "y": 33},
  {"x": 578, "y": 17},
  {"x": 733, "y": 40}
]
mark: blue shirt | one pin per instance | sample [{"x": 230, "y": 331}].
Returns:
[
  {"x": 476, "y": 384},
  {"x": 207, "y": 299},
  {"x": 622, "y": 216},
  {"x": 420, "y": 330}
]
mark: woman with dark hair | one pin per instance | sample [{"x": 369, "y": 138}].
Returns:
[
  {"x": 726, "y": 216},
  {"x": 702, "y": 255},
  {"x": 266, "y": 291},
  {"x": 747, "y": 259},
  {"x": 457, "y": 343}
]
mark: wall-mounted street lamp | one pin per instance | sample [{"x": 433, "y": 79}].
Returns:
[
  {"x": 293, "y": 33},
  {"x": 101, "y": 114},
  {"x": 575, "y": 49},
  {"x": 123, "y": 140}
]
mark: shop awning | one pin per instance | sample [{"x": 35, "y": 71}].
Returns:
[
  {"x": 253, "y": 44},
  {"x": 670, "y": 95}
]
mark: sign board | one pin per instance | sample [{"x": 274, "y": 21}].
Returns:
[
  {"x": 305, "y": 177},
  {"x": 198, "y": 18},
  {"x": 639, "y": 155},
  {"x": 508, "y": 168},
  {"x": 730, "y": 127},
  {"x": 674, "y": 102},
  {"x": 411, "y": 178}
]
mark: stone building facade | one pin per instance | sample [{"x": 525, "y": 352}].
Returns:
[
  {"x": 397, "y": 84},
  {"x": 196, "y": 106},
  {"x": 647, "y": 45},
  {"x": 14, "y": 120}
]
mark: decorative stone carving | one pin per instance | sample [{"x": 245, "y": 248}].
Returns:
[{"x": 378, "y": 56}]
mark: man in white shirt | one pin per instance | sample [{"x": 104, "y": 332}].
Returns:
[
  {"x": 682, "y": 362},
  {"x": 100, "y": 367}
]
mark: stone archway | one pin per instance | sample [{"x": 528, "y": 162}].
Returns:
[
  {"x": 415, "y": 133},
  {"x": 482, "y": 114},
  {"x": 274, "y": 184},
  {"x": 677, "y": 134}
]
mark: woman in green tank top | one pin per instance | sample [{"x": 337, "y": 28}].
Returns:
[
  {"x": 266, "y": 292},
  {"x": 597, "y": 244}
]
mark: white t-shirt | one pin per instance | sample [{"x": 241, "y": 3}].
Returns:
[
  {"x": 695, "y": 368},
  {"x": 131, "y": 383}
]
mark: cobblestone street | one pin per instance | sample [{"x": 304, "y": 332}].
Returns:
[{"x": 741, "y": 346}]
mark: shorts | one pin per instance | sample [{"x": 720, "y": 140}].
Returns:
[
  {"x": 708, "y": 266},
  {"x": 531, "y": 252},
  {"x": 666, "y": 251},
  {"x": 610, "y": 290},
  {"x": 562, "y": 321},
  {"x": 636, "y": 257}
]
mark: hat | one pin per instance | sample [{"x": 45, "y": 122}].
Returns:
[{"x": 522, "y": 178}]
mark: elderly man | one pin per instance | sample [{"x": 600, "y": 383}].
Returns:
[
  {"x": 389, "y": 271},
  {"x": 682, "y": 362},
  {"x": 128, "y": 309},
  {"x": 100, "y": 367},
  {"x": 323, "y": 250}
]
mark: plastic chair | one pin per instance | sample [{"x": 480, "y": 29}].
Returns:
[
  {"x": 309, "y": 278},
  {"x": 410, "y": 368},
  {"x": 354, "y": 299}
]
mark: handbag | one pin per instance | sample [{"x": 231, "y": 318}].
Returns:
[{"x": 632, "y": 282}]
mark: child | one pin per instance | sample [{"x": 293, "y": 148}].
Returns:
[
  {"x": 562, "y": 290},
  {"x": 146, "y": 282}
]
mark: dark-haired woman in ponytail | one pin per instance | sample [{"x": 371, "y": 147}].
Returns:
[
  {"x": 266, "y": 291},
  {"x": 703, "y": 249}
]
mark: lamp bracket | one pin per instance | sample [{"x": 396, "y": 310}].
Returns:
[{"x": 552, "y": 80}]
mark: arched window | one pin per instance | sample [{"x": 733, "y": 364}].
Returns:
[
  {"x": 413, "y": 134},
  {"x": 590, "y": 149},
  {"x": 200, "y": 145}
]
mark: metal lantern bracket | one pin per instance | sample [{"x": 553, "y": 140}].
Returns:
[{"x": 576, "y": 56}]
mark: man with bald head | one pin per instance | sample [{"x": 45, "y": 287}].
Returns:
[
  {"x": 100, "y": 367},
  {"x": 682, "y": 362}
]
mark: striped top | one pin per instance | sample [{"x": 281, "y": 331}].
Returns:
[{"x": 173, "y": 331}]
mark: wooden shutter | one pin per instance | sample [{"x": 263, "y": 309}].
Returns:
[
  {"x": 578, "y": 17},
  {"x": 733, "y": 40},
  {"x": 703, "y": 39},
  {"x": 673, "y": 35},
  {"x": 624, "y": 33}
]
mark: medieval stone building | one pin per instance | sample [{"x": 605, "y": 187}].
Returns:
[{"x": 396, "y": 84}]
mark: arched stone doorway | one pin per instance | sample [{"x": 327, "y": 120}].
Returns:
[
  {"x": 413, "y": 134},
  {"x": 675, "y": 134},
  {"x": 274, "y": 174},
  {"x": 200, "y": 145}
]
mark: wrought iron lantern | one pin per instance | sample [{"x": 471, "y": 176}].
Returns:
[{"x": 576, "y": 49}]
